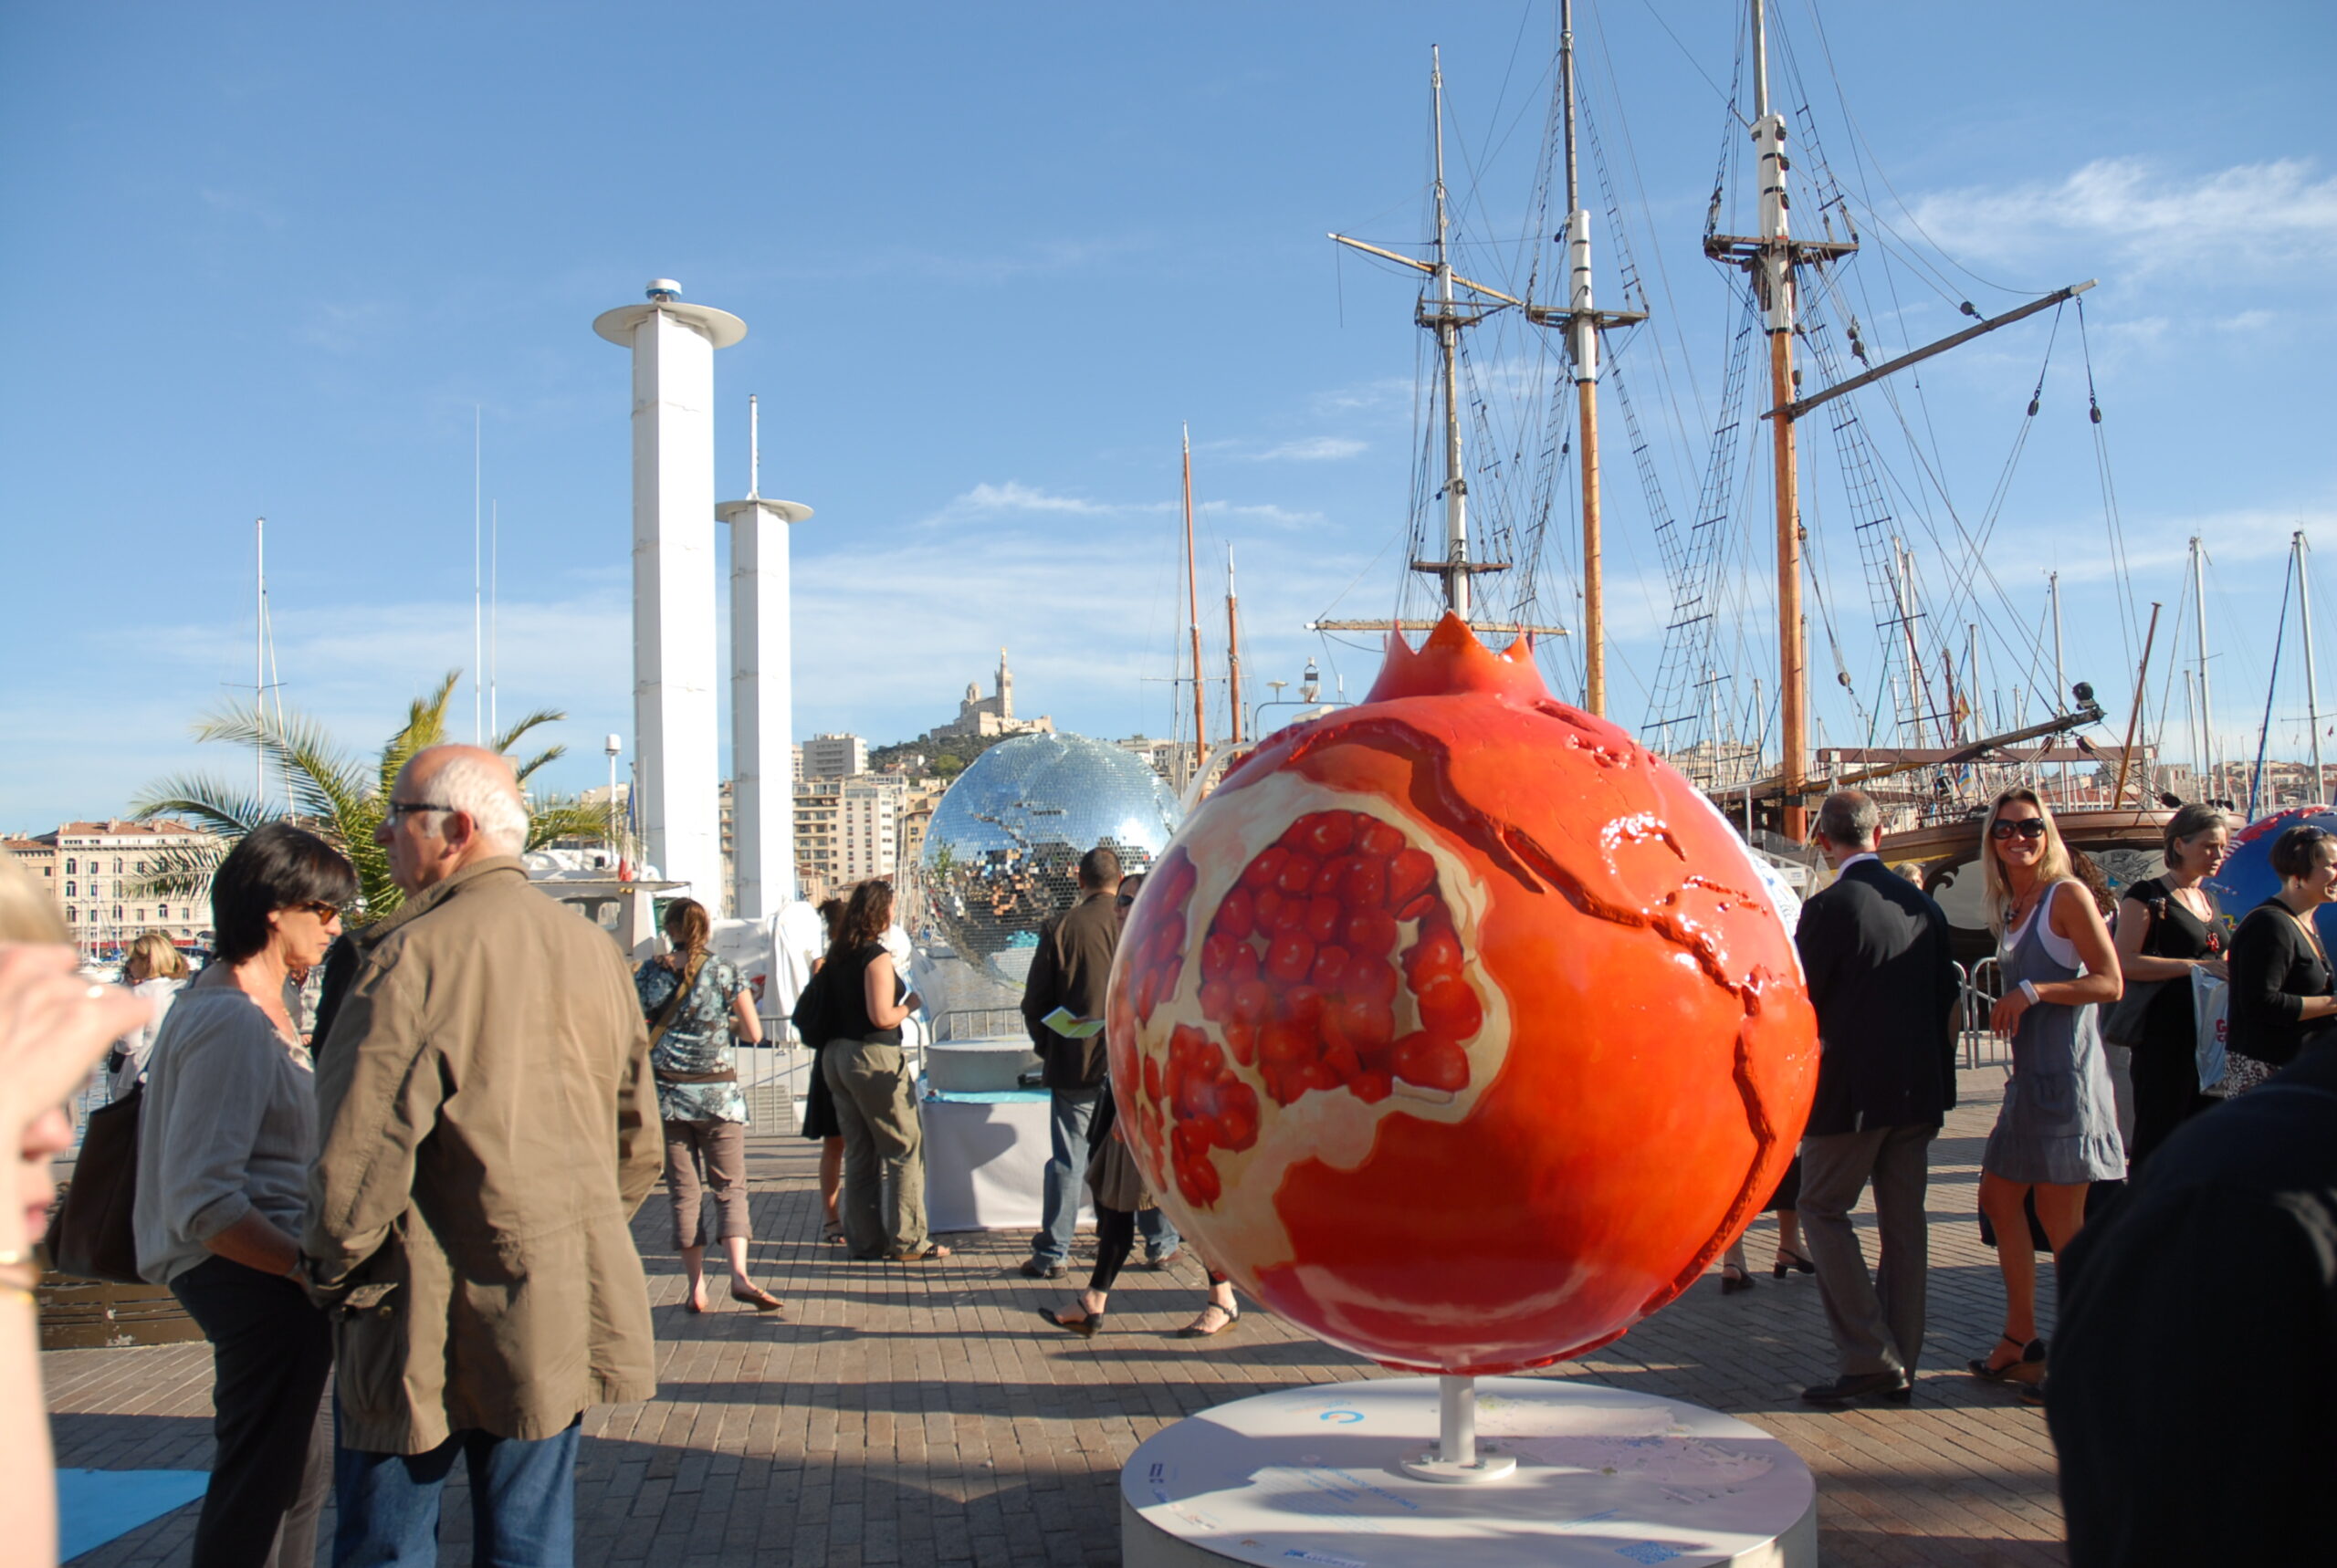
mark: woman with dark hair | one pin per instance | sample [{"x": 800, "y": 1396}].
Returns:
[
  {"x": 225, "y": 1143},
  {"x": 884, "y": 1142},
  {"x": 2282, "y": 985},
  {"x": 819, "y": 1123},
  {"x": 2167, "y": 929},
  {"x": 1116, "y": 1185},
  {"x": 2057, "y": 1131},
  {"x": 698, "y": 1009}
]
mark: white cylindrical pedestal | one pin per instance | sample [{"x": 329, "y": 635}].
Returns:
[{"x": 1318, "y": 1476}]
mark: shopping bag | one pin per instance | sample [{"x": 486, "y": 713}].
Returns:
[{"x": 2211, "y": 1012}]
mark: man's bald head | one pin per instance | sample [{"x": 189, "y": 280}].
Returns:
[{"x": 450, "y": 806}]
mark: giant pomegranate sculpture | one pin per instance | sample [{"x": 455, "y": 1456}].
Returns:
[{"x": 1457, "y": 1025}]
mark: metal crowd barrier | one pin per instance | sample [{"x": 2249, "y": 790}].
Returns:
[{"x": 1982, "y": 986}]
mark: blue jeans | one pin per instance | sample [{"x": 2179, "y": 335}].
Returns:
[
  {"x": 523, "y": 1501},
  {"x": 1071, "y": 1114}
]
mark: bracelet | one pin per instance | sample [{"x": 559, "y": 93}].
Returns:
[{"x": 2028, "y": 989}]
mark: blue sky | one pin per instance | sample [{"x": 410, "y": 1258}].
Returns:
[{"x": 267, "y": 260}]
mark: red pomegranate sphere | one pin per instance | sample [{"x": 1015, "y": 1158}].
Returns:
[{"x": 1456, "y": 1026}]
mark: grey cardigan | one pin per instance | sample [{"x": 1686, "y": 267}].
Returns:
[{"x": 229, "y": 1125}]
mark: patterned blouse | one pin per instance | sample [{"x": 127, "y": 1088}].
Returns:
[{"x": 698, "y": 1041}]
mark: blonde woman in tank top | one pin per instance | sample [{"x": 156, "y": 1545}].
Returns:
[{"x": 2057, "y": 1131}]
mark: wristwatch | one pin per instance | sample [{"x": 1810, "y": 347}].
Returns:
[{"x": 2028, "y": 989}]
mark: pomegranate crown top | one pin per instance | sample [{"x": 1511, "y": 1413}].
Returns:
[{"x": 1452, "y": 661}]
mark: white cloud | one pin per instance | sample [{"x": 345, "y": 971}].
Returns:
[
  {"x": 991, "y": 500},
  {"x": 2266, "y": 214},
  {"x": 1315, "y": 449}
]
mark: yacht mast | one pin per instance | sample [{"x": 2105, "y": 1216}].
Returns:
[
  {"x": 2213, "y": 775},
  {"x": 2311, "y": 678},
  {"x": 1193, "y": 618},
  {"x": 1232, "y": 649}
]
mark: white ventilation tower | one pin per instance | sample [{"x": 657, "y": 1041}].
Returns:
[
  {"x": 676, "y": 740},
  {"x": 762, "y": 713}
]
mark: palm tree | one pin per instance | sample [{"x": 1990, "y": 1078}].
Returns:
[{"x": 337, "y": 795}]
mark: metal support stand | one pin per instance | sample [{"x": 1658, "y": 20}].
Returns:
[{"x": 1456, "y": 1459}]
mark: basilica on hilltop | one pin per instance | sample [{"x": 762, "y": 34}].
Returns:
[{"x": 991, "y": 717}]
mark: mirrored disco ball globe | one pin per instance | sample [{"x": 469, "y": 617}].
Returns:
[{"x": 1002, "y": 854}]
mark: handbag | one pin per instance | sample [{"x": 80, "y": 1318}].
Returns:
[
  {"x": 91, "y": 1236},
  {"x": 2123, "y": 1023}
]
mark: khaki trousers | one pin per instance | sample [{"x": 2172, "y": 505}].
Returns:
[
  {"x": 705, "y": 1169},
  {"x": 882, "y": 1203}
]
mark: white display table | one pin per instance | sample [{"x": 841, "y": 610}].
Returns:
[
  {"x": 985, "y": 1161},
  {"x": 1313, "y": 1475}
]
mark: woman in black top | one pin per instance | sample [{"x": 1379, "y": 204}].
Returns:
[
  {"x": 2280, "y": 981},
  {"x": 820, "y": 1124},
  {"x": 884, "y": 1142},
  {"x": 2166, "y": 928}
]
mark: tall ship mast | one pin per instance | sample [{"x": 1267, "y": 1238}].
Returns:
[{"x": 1442, "y": 312}]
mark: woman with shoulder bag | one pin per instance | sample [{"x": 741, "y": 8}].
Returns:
[
  {"x": 820, "y": 1124},
  {"x": 2056, "y": 1132},
  {"x": 884, "y": 1142},
  {"x": 2167, "y": 930},
  {"x": 2281, "y": 998},
  {"x": 226, "y": 1140},
  {"x": 698, "y": 1009}
]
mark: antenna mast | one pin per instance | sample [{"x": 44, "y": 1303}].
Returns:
[{"x": 1193, "y": 617}]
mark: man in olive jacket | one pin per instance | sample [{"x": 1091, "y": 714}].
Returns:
[
  {"x": 1072, "y": 969},
  {"x": 489, "y": 1124}
]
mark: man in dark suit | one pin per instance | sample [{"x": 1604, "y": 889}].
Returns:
[
  {"x": 1875, "y": 949},
  {"x": 1072, "y": 969}
]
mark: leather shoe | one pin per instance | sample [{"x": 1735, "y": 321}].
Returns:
[
  {"x": 1158, "y": 1260},
  {"x": 1896, "y": 1387},
  {"x": 1040, "y": 1268}
]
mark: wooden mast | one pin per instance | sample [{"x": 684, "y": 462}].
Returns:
[
  {"x": 1193, "y": 620},
  {"x": 1232, "y": 649},
  {"x": 1582, "y": 346},
  {"x": 1776, "y": 294}
]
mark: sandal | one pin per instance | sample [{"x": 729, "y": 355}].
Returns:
[
  {"x": 833, "y": 1235},
  {"x": 1734, "y": 1278},
  {"x": 1194, "y": 1331},
  {"x": 1085, "y": 1327},
  {"x": 2032, "y": 1355},
  {"x": 1794, "y": 1261},
  {"x": 928, "y": 1252},
  {"x": 755, "y": 1296}
]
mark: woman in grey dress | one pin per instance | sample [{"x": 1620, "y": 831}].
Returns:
[{"x": 2057, "y": 1128}]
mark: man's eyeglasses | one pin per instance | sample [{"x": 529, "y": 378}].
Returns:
[
  {"x": 2030, "y": 828},
  {"x": 411, "y": 808}
]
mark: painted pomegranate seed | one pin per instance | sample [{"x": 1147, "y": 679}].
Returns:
[{"x": 1296, "y": 874}]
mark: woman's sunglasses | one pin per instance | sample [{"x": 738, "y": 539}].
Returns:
[
  {"x": 2026, "y": 827},
  {"x": 319, "y": 908}
]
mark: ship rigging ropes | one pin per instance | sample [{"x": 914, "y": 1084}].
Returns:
[{"x": 1936, "y": 604}]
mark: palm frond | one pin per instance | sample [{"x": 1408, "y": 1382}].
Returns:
[
  {"x": 216, "y": 806},
  {"x": 566, "y": 817},
  {"x": 425, "y": 725},
  {"x": 183, "y": 871}
]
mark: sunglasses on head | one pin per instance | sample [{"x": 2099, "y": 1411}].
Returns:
[{"x": 2025, "y": 827}]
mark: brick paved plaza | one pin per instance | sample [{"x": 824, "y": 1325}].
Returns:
[{"x": 919, "y": 1415}]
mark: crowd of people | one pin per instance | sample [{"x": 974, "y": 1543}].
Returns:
[{"x": 385, "y": 1199}]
